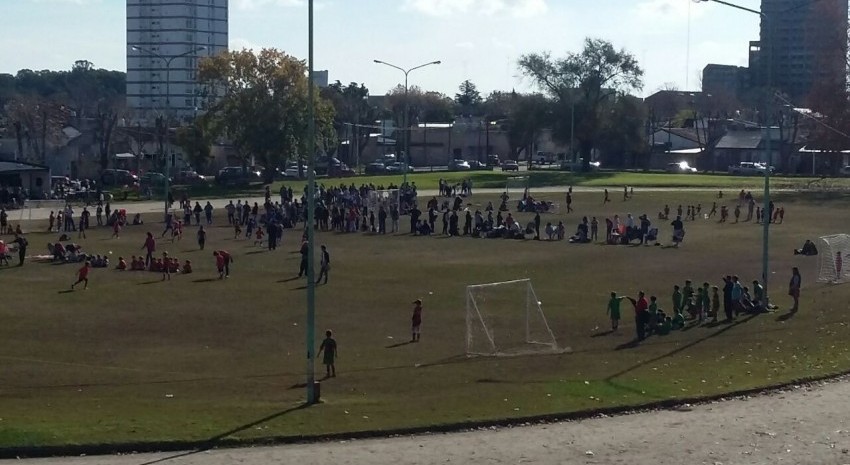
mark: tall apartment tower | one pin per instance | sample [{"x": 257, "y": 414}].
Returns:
[
  {"x": 170, "y": 28},
  {"x": 802, "y": 44}
]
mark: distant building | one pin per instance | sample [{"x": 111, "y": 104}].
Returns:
[
  {"x": 801, "y": 44},
  {"x": 171, "y": 28},
  {"x": 724, "y": 79},
  {"x": 320, "y": 78}
]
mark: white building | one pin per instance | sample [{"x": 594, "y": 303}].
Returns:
[{"x": 170, "y": 29}]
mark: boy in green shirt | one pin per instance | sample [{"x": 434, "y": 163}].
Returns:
[
  {"x": 666, "y": 326},
  {"x": 677, "y": 299},
  {"x": 706, "y": 302},
  {"x": 653, "y": 313},
  {"x": 614, "y": 310}
]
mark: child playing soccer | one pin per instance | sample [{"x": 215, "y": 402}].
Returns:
[
  {"x": 259, "y": 237},
  {"x": 222, "y": 262},
  {"x": 614, "y": 310},
  {"x": 416, "y": 321},
  {"x": 166, "y": 266},
  {"x": 330, "y": 349},
  {"x": 237, "y": 230},
  {"x": 83, "y": 276}
]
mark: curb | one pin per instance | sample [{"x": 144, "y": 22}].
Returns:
[{"x": 199, "y": 446}]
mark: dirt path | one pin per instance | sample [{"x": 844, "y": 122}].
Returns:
[{"x": 807, "y": 425}]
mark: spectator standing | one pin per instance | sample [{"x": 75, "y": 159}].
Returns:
[
  {"x": 324, "y": 265},
  {"x": 150, "y": 248},
  {"x": 329, "y": 347},
  {"x": 22, "y": 248},
  {"x": 794, "y": 288}
]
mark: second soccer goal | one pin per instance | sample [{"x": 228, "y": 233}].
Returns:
[{"x": 507, "y": 318}]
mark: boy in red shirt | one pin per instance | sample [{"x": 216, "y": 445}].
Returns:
[
  {"x": 83, "y": 276},
  {"x": 222, "y": 262}
]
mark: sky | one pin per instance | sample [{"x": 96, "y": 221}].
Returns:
[{"x": 479, "y": 40}]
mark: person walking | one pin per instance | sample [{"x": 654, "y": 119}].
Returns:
[
  {"x": 569, "y": 202},
  {"x": 302, "y": 269},
  {"x": 324, "y": 265},
  {"x": 537, "y": 226},
  {"x": 22, "y": 248},
  {"x": 794, "y": 288},
  {"x": 83, "y": 276},
  {"x": 150, "y": 248},
  {"x": 202, "y": 237},
  {"x": 223, "y": 259},
  {"x": 329, "y": 347}
]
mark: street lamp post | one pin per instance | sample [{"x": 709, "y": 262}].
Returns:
[
  {"x": 406, "y": 110},
  {"x": 766, "y": 217},
  {"x": 312, "y": 395},
  {"x": 167, "y": 60}
]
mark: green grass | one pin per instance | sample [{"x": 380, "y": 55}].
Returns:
[
  {"x": 135, "y": 359},
  {"x": 547, "y": 178}
]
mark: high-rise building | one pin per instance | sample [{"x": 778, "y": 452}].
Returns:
[
  {"x": 802, "y": 43},
  {"x": 170, "y": 29},
  {"x": 726, "y": 80}
]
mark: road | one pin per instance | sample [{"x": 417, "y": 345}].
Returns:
[{"x": 803, "y": 425}]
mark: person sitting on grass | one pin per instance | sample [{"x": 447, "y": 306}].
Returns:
[
  {"x": 550, "y": 232},
  {"x": 808, "y": 249},
  {"x": 665, "y": 326},
  {"x": 122, "y": 264},
  {"x": 187, "y": 267},
  {"x": 678, "y": 321},
  {"x": 137, "y": 220}
]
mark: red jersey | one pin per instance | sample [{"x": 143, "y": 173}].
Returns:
[
  {"x": 150, "y": 244},
  {"x": 224, "y": 255},
  {"x": 83, "y": 272},
  {"x": 219, "y": 261},
  {"x": 641, "y": 305}
]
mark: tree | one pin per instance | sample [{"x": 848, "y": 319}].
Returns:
[
  {"x": 586, "y": 79},
  {"x": 528, "y": 116},
  {"x": 354, "y": 115},
  {"x": 106, "y": 115},
  {"x": 38, "y": 121},
  {"x": 196, "y": 142},
  {"x": 623, "y": 133},
  {"x": 468, "y": 98},
  {"x": 261, "y": 105}
]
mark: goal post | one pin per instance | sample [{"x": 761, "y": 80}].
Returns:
[
  {"x": 833, "y": 257},
  {"x": 516, "y": 186},
  {"x": 506, "y": 318},
  {"x": 387, "y": 197}
]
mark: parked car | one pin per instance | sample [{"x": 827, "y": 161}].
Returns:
[
  {"x": 493, "y": 160},
  {"x": 749, "y": 168},
  {"x": 476, "y": 165},
  {"x": 510, "y": 165},
  {"x": 152, "y": 178},
  {"x": 376, "y": 168},
  {"x": 459, "y": 165},
  {"x": 190, "y": 177},
  {"x": 340, "y": 171},
  {"x": 399, "y": 167},
  {"x": 237, "y": 176},
  {"x": 681, "y": 167},
  {"x": 112, "y": 177}
]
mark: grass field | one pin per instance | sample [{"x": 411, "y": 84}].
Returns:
[
  {"x": 136, "y": 359},
  {"x": 550, "y": 178}
]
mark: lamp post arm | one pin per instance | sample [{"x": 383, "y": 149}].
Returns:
[{"x": 732, "y": 5}]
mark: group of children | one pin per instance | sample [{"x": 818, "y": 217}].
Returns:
[{"x": 165, "y": 265}]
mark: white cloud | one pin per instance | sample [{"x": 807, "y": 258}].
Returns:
[
  {"x": 668, "y": 10},
  {"x": 444, "y": 8},
  {"x": 239, "y": 43},
  {"x": 466, "y": 45}
]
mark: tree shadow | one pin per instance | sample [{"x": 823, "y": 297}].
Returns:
[{"x": 220, "y": 439}]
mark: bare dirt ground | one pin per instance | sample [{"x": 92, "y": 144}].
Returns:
[{"x": 804, "y": 425}]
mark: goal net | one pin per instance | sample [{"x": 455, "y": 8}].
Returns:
[
  {"x": 516, "y": 187},
  {"x": 41, "y": 207},
  {"x": 387, "y": 198},
  {"x": 833, "y": 256},
  {"x": 506, "y": 319}
]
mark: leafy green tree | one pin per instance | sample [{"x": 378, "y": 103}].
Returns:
[
  {"x": 528, "y": 116},
  {"x": 260, "y": 103},
  {"x": 196, "y": 142},
  {"x": 468, "y": 99},
  {"x": 586, "y": 80},
  {"x": 354, "y": 114}
]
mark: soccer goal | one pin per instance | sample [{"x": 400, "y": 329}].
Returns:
[
  {"x": 516, "y": 186},
  {"x": 833, "y": 256},
  {"x": 506, "y": 318},
  {"x": 30, "y": 205},
  {"x": 387, "y": 198}
]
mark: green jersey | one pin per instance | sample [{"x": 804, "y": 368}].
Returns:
[
  {"x": 677, "y": 301},
  {"x": 678, "y": 321},
  {"x": 614, "y": 308},
  {"x": 653, "y": 308}
]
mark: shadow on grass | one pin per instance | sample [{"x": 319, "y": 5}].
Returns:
[
  {"x": 611, "y": 380},
  {"x": 216, "y": 440},
  {"x": 66, "y": 291},
  {"x": 289, "y": 280},
  {"x": 254, "y": 252},
  {"x": 786, "y": 316},
  {"x": 145, "y": 283},
  {"x": 398, "y": 344},
  {"x": 603, "y": 333},
  {"x": 205, "y": 280}
]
